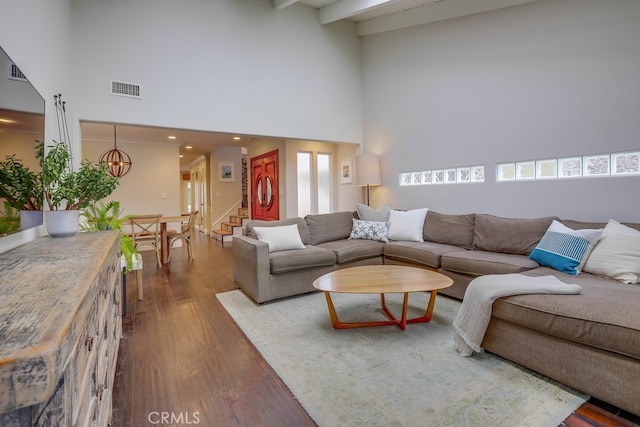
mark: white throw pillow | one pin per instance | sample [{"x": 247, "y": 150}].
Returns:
[
  {"x": 617, "y": 254},
  {"x": 280, "y": 238},
  {"x": 407, "y": 225},
  {"x": 367, "y": 213}
]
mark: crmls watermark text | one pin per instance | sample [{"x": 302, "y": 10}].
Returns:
[{"x": 174, "y": 418}]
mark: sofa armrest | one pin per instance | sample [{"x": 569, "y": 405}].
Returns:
[{"x": 252, "y": 267}]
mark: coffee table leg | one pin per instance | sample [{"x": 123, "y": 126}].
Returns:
[
  {"x": 402, "y": 323},
  {"x": 337, "y": 324},
  {"x": 332, "y": 311},
  {"x": 429, "y": 313}
]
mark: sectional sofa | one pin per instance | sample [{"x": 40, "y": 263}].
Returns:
[{"x": 589, "y": 341}]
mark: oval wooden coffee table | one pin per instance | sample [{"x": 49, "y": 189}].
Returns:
[{"x": 382, "y": 279}]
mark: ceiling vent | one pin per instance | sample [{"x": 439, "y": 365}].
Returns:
[
  {"x": 130, "y": 90},
  {"x": 15, "y": 73}
]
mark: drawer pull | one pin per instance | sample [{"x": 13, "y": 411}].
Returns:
[
  {"x": 89, "y": 343},
  {"x": 99, "y": 391}
]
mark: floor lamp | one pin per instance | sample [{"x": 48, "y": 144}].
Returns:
[{"x": 367, "y": 171}]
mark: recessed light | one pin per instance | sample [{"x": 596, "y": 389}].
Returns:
[
  {"x": 237, "y": 138},
  {"x": 188, "y": 147},
  {"x": 171, "y": 137},
  {"x": 181, "y": 156}
]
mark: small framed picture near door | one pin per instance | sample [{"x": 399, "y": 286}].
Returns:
[
  {"x": 346, "y": 172},
  {"x": 226, "y": 172}
]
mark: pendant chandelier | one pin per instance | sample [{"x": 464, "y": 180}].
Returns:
[{"x": 118, "y": 162}]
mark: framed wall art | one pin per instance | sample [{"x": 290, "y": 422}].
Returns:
[
  {"x": 226, "y": 172},
  {"x": 346, "y": 172}
]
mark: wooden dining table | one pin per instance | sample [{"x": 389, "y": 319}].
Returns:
[{"x": 164, "y": 243}]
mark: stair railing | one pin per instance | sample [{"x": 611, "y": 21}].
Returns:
[{"x": 218, "y": 223}]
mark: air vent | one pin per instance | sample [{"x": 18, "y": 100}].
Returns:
[
  {"x": 130, "y": 90},
  {"x": 15, "y": 73}
]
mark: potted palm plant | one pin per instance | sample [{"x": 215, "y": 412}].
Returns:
[
  {"x": 21, "y": 188},
  {"x": 67, "y": 191},
  {"x": 100, "y": 217}
]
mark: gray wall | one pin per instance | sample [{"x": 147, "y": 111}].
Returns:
[{"x": 549, "y": 79}]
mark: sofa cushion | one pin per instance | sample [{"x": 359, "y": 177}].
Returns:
[
  {"x": 407, "y": 225},
  {"x": 508, "y": 235},
  {"x": 617, "y": 254},
  {"x": 328, "y": 227},
  {"x": 482, "y": 262},
  {"x": 300, "y": 259},
  {"x": 565, "y": 249},
  {"x": 449, "y": 229},
  {"x": 367, "y": 213},
  {"x": 605, "y": 315},
  {"x": 352, "y": 250},
  {"x": 370, "y": 230},
  {"x": 578, "y": 225},
  {"x": 280, "y": 238},
  {"x": 303, "y": 229},
  {"x": 424, "y": 253}
]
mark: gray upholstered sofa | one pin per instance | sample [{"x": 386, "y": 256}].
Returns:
[{"x": 589, "y": 341}]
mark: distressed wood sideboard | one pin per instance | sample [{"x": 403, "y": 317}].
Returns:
[{"x": 60, "y": 329}]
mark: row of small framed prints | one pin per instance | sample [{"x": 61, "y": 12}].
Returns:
[
  {"x": 467, "y": 174},
  {"x": 571, "y": 167}
]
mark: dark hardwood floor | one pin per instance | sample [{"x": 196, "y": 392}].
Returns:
[{"x": 183, "y": 360}]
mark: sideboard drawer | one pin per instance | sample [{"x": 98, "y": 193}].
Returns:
[{"x": 82, "y": 366}]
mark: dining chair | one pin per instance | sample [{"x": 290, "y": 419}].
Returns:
[
  {"x": 185, "y": 234},
  {"x": 145, "y": 231}
]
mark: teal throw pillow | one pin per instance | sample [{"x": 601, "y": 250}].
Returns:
[{"x": 564, "y": 249}]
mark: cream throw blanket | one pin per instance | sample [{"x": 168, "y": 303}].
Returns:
[{"x": 473, "y": 318}]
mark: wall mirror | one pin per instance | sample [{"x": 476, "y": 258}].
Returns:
[{"x": 21, "y": 125}]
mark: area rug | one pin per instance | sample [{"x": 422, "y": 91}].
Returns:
[{"x": 382, "y": 376}]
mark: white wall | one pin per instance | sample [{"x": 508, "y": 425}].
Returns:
[
  {"x": 225, "y": 196},
  {"x": 152, "y": 185},
  {"x": 36, "y": 36},
  {"x": 347, "y": 195},
  {"x": 223, "y": 65},
  {"x": 343, "y": 197},
  {"x": 553, "y": 78}
]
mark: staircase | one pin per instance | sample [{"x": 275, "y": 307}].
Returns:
[{"x": 231, "y": 228}]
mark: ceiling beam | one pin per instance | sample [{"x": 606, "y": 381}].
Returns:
[
  {"x": 346, "y": 8},
  {"x": 281, "y": 4},
  {"x": 432, "y": 12}
]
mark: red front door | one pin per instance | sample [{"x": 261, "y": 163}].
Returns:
[{"x": 264, "y": 187}]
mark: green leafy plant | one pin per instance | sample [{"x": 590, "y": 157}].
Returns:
[
  {"x": 9, "y": 220},
  {"x": 100, "y": 217},
  {"x": 77, "y": 189},
  {"x": 20, "y": 186}
]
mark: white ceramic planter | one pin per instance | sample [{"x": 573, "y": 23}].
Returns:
[
  {"x": 30, "y": 219},
  {"x": 62, "y": 223}
]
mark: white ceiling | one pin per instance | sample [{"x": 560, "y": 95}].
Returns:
[
  {"x": 371, "y": 16},
  {"x": 375, "y": 16},
  {"x": 202, "y": 142}
]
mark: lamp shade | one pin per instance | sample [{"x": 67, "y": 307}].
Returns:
[{"x": 367, "y": 170}]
